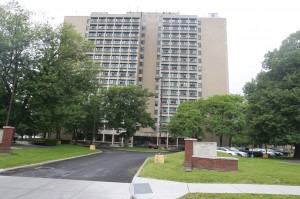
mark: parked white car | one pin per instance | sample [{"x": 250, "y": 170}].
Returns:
[
  {"x": 240, "y": 153},
  {"x": 225, "y": 150}
]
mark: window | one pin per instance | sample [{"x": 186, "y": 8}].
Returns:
[
  {"x": 193, "y": 84},
  {"x": 132, "y": 65},
  {"x": 165, "y": 75},
  {"x": 112, "y": 81},
  {"x": 183, "y": 84},
  {"x": 174, "y": 67},
  {"x": 114, "y": 65},
  {"x": 182, "y": 93},
  {"x": 193, "y": 75},
  {"x": 115, "y": 50},
  {"x": 173, "y": 84},
  {"x": 122, "y": 81},
  {"x": 173, "y": 109},
  {"x": 164, "y": 109},
  {"x": 183, "y": 75},
  {"x": 193, "y": 67},
  {"x": 113, "y": 73},
  {"x": 123, "y": 57},
  {"x": 165, "y": 83},
  {"x": 164, "y": 100},
  {"x": 193, "y": 93},
  {"x": 165, "y": 66},
  {"x": 131, "y": 74},
  {"x": 130, "y": 82},
  {"x": 123, "y": 65},
  {"x": 114, "y": 57},
  {"x": 173, "y": 101},
  {"x": 174, "y": 92},
  {"x": 122, "y": 73},
  {"x": 165, "y": 92},
  {"x": 174, "y": 75},
  {"x": 183, "y": 67}
]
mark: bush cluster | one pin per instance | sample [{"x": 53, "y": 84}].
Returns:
[{"x": 51, "y": 142}]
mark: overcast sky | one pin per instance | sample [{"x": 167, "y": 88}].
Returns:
[{"x": 254, "y": 27}]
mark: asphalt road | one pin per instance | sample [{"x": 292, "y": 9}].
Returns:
[{"x": 109, "y": 166}]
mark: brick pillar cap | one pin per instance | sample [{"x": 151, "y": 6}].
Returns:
[
  {"x": 8, "y": 127},
  {"x": 193, "y": 139}
]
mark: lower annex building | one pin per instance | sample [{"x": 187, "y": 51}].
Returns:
[{"x": 177, "y": 57}]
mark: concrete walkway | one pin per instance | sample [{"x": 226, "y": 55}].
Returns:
[{"x": 141, "y": 188}]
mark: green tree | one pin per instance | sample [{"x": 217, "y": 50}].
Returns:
[
  {"x": 188, "y": 120},
  {"x": 274, "y": 97},
  {"x": 221, "y": 115},
  {"x": 126, "y": 107},
  {"x": 17, "y": 36},
  {"x": 224, "y": 116},
  {"x": 45, "y": 73}
]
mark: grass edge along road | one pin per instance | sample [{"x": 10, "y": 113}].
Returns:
[
  {"x": 25, "y": 156},
  {"x": 235, "y": 196},
  {"x": 272, "y": 171}
]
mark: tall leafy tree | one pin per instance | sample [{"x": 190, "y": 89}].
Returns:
[
  {"x": 125, "y": 107},
  {"x": 188, "y": 120},
  {"x": 274, "y": 96},
  {"x": 45, "y": 73},
  {"x": 17, "y": 36},
  {"x": 221, "y": 115},
  {"x": 224, "y": 116}
]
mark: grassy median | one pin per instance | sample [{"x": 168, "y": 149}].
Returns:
[
  {"x": 283, "y": 171},
  {"x": 37, "y": 155},
  {"x": 235, "y": 196}
]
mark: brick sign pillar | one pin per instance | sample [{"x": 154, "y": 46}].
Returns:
[
  {"x": 6, "y": 137},
  {"x": 188, "y": 152}
]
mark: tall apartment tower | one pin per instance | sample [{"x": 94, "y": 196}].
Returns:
[{"x": 177, "y": 57}]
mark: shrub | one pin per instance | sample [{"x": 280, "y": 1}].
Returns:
[
  {"x": 65, "y": 141},
  {"x": 51, "y": 142}
]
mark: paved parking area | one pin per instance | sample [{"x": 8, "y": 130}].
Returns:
[{"x": 108, "y": 166}]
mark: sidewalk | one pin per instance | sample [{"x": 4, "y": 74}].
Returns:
[
  {"x": 144, "y": 188},
  {"x": 141, "y": 188}
]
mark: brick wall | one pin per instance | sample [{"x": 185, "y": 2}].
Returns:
[
  {"x": 214, "y": 163},
  {"x": 6, "y": 139}
]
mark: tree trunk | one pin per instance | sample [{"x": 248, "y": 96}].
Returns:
[
  {"x": 221, "y": 140},
  {"x": 126, "y": 141},
  {"x": 297, "y": 151}
]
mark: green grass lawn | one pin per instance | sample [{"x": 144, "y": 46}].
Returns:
[
  {"x": 283, "y": 171},
  {"x": 235, "y": 196},
  {"x": 141, "y": 149},
  {"x": 36, "y": 155}
]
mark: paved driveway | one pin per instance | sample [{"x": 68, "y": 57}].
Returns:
[{"x": 109, "y": 166}]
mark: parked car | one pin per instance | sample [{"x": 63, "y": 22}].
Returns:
[
  {"x": 281, "y": 150},
  {"x": 250, "y": 152},
  {"x": 271, "y": 153},
  {"x": 225, "y": 150},
  {"x": 240, "y": 153},
  {"x": 276, "y": 152}
]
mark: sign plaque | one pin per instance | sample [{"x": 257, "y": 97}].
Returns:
[
  {"x": 1, "y": 135},
  {"x": 205, "y": 149}
]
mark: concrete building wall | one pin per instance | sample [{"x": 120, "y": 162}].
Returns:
[{"x": 214, "y": 57}]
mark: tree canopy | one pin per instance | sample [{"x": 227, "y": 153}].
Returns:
[
  {"x": 221, "y": 115},
  {"x": 274, "y": 96},
  {"x": 45, "y": 75},
  {"x": 126, "y": 107}
]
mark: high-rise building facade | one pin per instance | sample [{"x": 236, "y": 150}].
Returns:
[{"x": 177, "y": 57}]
